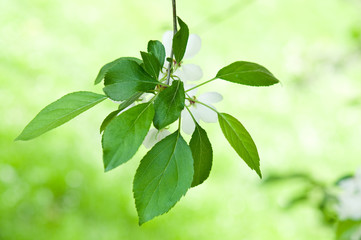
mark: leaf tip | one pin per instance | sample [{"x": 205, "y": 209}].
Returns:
[
  {"x": 18, "y": 138},
  {"x": 108, "y": 167},
  {"x": 258, "y": 171}
]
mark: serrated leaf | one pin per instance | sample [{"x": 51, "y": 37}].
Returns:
[
  {"x": 240, "y": 140},
  {"x": 163, "y": 177},
  {"x": 180, "y": 41},
  {"x": 151, "y": 64},
  {"x": 169, "y": 105},
  {"x": 60, "y": 112},
  {"x": 202, "y": 155},
  {"x": 125, "y": 133},
  {"x": 103, "y": 71},
  {"x": 247, "y": 73},
  {"x": 125, "y": 79},
  {"x": 157, "y": 49}
]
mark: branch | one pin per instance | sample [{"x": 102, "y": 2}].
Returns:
[{"x": 174, "y": 32}]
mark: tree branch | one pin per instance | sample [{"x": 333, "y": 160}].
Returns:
[{"x": 174, "y": 32}]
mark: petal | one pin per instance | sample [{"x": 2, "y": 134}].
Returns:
[
  {"x": 206, "y": 114},
  {"x": 150, "y": 140},
  {"x": 193, "y": 46},
  {"x": 154, "y": 136},
  {"x": 210, "y": 97},
  {"x": 162, "y": 134},
  {"x": 146, "y": 97},
  {"x": 188, "y": 125},
  {"x": 190, "y": 72},
  {"x": 192, "y": 92},
  {"x": 167, "y": 42}
]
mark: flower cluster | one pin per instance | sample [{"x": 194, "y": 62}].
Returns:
[
  {"x": 349, "y": 199},
  {"x": 197, "y": 107}
]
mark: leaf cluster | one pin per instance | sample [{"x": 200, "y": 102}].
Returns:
[{"x": 172, "y": 166}]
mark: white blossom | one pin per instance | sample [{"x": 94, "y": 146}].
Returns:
[
  {"x": 349, "y": 206},
  {"x": 356, "y": 235},
  {"x": 186, "y": 72},
  {"x": 198, "y": 110},
  {"x": 154, "y": 136}
]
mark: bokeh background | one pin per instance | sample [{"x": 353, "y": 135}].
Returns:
[{"x": 54, "y": 187}]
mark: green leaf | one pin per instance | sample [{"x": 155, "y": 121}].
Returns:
[
  {"x": 240, "y": 140},
  {"x": 247, "y": 73},
  {"x": 108, "y": 119},
  {"x": 121, "y": 107},
  {"x": 180, "y": 41},
  {"x": 129, "y": 101},
  {"x": 125, "y": 79},
  {"x": 151, "y": 64},
  {"x": 108, "y": 66},
  {"x": 124, "y": 135},
  {"x": 169, "y": 105},
  {"x": 157, "y": 49},
  {"x": 163, "y": 177},
  {"x": 347, "y": 228},
  {"x": 202, "y": 155},
  {"x": 60, "y": 112}
]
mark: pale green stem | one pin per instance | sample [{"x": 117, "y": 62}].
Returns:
[
  {"x": 174, "y": 32},
  {"x": 203, "y": 104},
  {"x": 201, "y": 84},
  {"x": 191, "y": 114}
]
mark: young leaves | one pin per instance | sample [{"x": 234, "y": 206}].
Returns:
[
  {"x": 169, "y": 104},
  {"x": 202, "y": 155},
  {"x": 108, "y": 66},
  {"x": 240, "y": 140},
  {"x": 125, "y": 79},
  {"x": 59, "y": 112},
  {"x": 163, "y": 177},
  {"x": 125, "y": 133},
  {"x": 180, "y": 40},
  {"x": 157, "y": 49},
  {"x": 247, "y": 73}
]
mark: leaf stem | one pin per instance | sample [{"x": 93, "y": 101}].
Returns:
[
  {"x": 203, "y": 104},
  {"x": 174, "y": 32},
  {"x": 163, "y": 84},
  {"x": 201, "y": 84},
  {"x": 190, "y": 113}
]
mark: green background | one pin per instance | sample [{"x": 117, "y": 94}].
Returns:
[{"x": 54, "y": 187}]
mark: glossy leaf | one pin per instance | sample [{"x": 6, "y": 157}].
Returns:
[
  {"x": 240, "y": 140},
  {"x": 60, "y": 112},
  {"x": 151, "y": 64},
  {"x": 103, "y": 71},
  {"x": 202, "y": 155},
  {"x": 125, "y": 133},
  {"x": 125, "y": 79},
  {"x": 169, "y": 105},
  {"x": 157, "y": 49},
  {"x": 180, "y": 41},
  {"x": 163, "y": 177},
  {"x": 247, "y": 73}
]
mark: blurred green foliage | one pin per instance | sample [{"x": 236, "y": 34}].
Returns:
[{"x": 54, "y": 187}]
